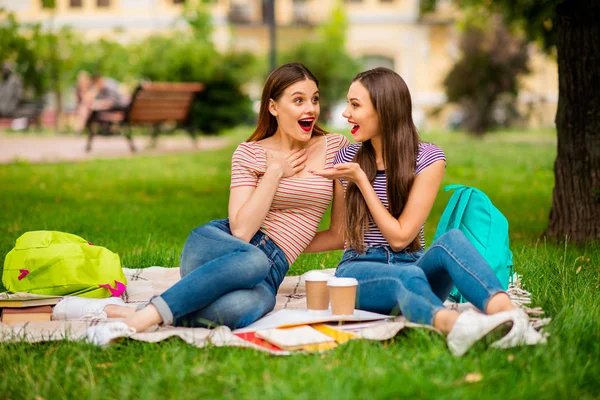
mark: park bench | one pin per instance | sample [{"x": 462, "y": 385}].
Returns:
[
  {"x": 29, "y": 112},
  {"x": 152, "y": 104}
]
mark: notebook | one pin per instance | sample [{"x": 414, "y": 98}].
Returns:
[
  {"x": 20, "y": 300},
  {"x": 297, "y": 338}
]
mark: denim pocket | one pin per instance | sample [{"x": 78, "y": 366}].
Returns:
[
  {"x": 222, "y": 224},
  {"x": 405, "y": 256},
  {"x": 349, "y": 255}
]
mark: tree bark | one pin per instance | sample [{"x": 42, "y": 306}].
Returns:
[{"x": 575, "y": 213}]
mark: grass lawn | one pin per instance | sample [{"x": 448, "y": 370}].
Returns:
[{"x": 143, "y": 208}]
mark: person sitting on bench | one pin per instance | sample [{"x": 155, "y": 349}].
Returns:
[
  {"x": 101, "y": 93},
  {"x": 11, "y": 91},
  {"x": 11, "y": 100}
]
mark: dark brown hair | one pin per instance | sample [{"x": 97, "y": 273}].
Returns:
[
  {"x": 279, "y": 80},
  {"x": 400, "y": 144}
]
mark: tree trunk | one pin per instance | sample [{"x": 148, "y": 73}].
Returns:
[
  {"x": 59, "y": 107},
  {"x": 575, "y": 213}
]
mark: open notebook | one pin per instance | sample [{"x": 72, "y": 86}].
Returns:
[{"x": 295, "y": 338}]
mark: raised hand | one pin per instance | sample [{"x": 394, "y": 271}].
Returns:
[
  {"x": 288, "y": 164},
  {"x": 348, "y": 171}
]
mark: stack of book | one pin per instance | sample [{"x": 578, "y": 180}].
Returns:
[
  {"x": 25, "y": 307},
  {"x": 306, "y": 338},
  {"x": 26, "y": 314}
]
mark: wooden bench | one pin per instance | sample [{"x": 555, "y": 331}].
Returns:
[
  {"x": 30, "y": 111},
  {"x": 152, "y": 104}
]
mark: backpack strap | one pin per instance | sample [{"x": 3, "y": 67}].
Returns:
[
  {"x": 445, "y": 218},
  {"x": 444, "y": 223},
  {"x": 461, "y": 207},
  {"x": 448, "y": 188}
]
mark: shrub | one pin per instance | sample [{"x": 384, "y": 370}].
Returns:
[{"x": 328, "y": 60}]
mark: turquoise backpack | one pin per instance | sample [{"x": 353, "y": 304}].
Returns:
[{"x": 471, "y": 211}]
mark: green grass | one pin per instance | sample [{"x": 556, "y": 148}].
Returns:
[{"x": 143, "y": 208}]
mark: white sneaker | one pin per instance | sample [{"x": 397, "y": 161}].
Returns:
[
  {"x": 521, "y": 333},
  {"x": 73, "y": 307},
  {"x": 472, "y": 326},
  {"x": 104, "y": 333}
]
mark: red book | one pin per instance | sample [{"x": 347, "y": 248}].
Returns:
[{"x": 251, "y": 337}]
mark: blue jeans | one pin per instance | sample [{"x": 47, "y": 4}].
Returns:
[
  {"x": 224, "y": 280},
  {"x": 417, "y": 283}
]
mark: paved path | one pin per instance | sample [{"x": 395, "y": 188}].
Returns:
[{"x": 40, "y": 148}]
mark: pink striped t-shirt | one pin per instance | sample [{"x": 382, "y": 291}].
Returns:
[{"x": 299, "y": 203}]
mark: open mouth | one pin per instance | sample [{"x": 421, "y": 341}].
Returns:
[
  {"x": 306, "y": 124},
  {"x": 355, "y": 128}
]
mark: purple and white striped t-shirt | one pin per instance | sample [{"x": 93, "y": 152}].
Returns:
[{"x": 427, "y": 155}]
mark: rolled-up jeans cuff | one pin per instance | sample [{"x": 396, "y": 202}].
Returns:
[{"x": 163, "y": 309}]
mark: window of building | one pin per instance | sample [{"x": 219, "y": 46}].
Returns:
[
  {"x": 102, "y": 3},
  {"x": 301, "y": 12},
  {"x": 75, "y": 3},
  {"x": 240, "y": 13}
]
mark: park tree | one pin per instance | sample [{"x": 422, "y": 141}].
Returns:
[
  {"x": 45, "y": 57},
  {"x": 485, "y": 78},
  {"x": 327, "y": 58},
  {"x": 571, "y": 29},
  {"x": 189, "y": 55}
]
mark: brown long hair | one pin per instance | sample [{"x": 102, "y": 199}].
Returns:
[
  {"x": 400, "y": 143},
  {"x": 276, "y": 83}
]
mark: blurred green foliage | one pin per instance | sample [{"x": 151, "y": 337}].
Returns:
[
  {"x": 328, "y": 60},
  {"x": 49, "y": 60},
  {"x": 484, "y": 81},
  {"x": 536, "y": 19}
]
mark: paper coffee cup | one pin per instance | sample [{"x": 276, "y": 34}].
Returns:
[
  {"x": 317, "y": 294},
  {"x": 342, "y": 293}
]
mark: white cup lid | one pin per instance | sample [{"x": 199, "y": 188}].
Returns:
[
  {"x": 342, "y": 282},
  {"x": 317, "y": 276}
]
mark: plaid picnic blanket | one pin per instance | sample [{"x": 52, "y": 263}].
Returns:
[{"x": 143, "y": 283}]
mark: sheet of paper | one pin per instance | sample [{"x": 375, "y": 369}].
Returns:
[{"x": 286, "y": 318}]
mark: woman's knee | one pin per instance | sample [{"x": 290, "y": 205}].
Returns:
[
  {"x": 197, "y": 249},
  {"x": 191, "y": 255},
  {"x": 207, "y": 243},
  {"x": 453, "y": 238}
]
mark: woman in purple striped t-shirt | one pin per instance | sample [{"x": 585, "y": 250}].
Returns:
[{"x": 390, "y": 180}]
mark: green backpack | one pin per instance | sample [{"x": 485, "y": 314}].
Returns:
[
  {"x": 62, "y": 264},
  {"x": 471, "y": 211}
]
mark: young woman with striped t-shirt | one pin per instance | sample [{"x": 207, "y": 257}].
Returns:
[
  {"x": 390, "y": 181},
  {"x": 231, "y": 269}
]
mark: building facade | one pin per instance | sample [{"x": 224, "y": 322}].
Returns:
[{"x": 389, "y": 33}]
